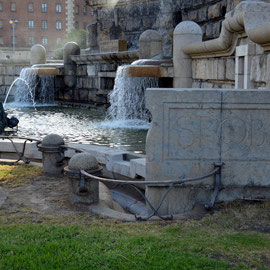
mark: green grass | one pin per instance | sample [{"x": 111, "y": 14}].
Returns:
[
  {"x": 236, "y": 237},
  {"x": 105, "y": 244},
  {"x": 18, "y": 175}
]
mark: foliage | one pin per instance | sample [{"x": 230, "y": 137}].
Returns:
[{"x": 78, "y": 36}]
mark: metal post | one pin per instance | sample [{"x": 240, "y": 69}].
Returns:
[
  {"x": 12, "y": 23},
  {"x": 13, "y": 36}
]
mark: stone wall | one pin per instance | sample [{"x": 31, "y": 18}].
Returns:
[
  {"x": 95, "y": 75},
  {"x": 128, "y": 19},
  {"x": 9, "y": 71},
  {"x": 213, "y": 73}
]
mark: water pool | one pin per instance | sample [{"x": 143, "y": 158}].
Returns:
[{"x": 80, "y": 125}]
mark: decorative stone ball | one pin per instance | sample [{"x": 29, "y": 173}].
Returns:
[
  {"x": 53, "y": 140},
  {"x": 38, "y": 54},
  {"x": 83, "y": 161},
  {"x": 187, "y": 27}
]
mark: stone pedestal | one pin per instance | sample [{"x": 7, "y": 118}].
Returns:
[
  {"x": 38, "y": 54},
  {"x": 192, "y": 129},
  {"x": 52, "y": 154},
  {"x": 70, "y": 67},
  {"x": 150, "y": 44}
]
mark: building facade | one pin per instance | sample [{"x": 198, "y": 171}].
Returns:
[{"x": 46, "y": 22}]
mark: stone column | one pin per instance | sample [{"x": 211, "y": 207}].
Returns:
[
  {"x": 70, "y": 67},
  {"x": 185, "y": 33},
  {"x": 37, "y": 55},
  {"x": 150, "y": 44}
]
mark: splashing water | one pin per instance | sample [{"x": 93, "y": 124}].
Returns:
[
  {"x": 128, "y": 97},
  {"x": 32, "y": 89}
]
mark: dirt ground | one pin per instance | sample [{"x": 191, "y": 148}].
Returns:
[
  {"x": 44, "y": 195},
  {"x": 45, "y": 199}
]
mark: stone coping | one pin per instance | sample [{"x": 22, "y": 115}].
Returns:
[
  {"x": 117, "y": 161},
  {"x": 110, "y": 57}
]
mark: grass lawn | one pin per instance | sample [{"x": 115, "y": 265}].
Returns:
[{"x": 235, "y": 237}]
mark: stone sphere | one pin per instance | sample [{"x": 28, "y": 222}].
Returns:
[
  {"x": 187, "y": 27},
  {"x": 38, "y": 54},
  {"x": 53, "y": 140},
  {"x": 150, "y": 35},
  {"x": 83, "y": 161}
]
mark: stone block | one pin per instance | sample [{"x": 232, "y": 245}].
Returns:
[
  {"x": 3, "y": 70},
  {"x": 258, "y": 69},
  {"x": 101, "y": 100},
  {"x": 214, "y": 11},
  {"x": 79, "y": 82},
  {"x": 82, "y": 70},
  {"x": 202, "y": 15},
  {"x": 113, "y": 46},
  {"x": 88, "y": 82},
  {"x": 192, "y": 128},
  {"x": 230, "y": 69},
  {"x": 68, "y": 94},
  {"x": 92, "y": 94},
  {"x": 91, "y": 70},
  {"x": 83, "y": 95},
  {"x": 9, "y": 80},
  {"x": 133, "y": 24},
  {"x": 193, "y": 15}
]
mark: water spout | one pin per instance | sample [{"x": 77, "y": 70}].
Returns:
[{"x": 127, "y": 98}]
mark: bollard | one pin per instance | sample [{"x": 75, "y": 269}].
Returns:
[
  {"x": 70, "y": 67},
  {"x": 38, "y": 55},
  {"x": 83, "y": 189},
  {"x": 150, "y": 44},
  {"x": 184, "y": 34},
  {"x": 52, "y": 154}
]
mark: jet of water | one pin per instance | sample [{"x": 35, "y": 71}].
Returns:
[{"x": 128, "y": 96}]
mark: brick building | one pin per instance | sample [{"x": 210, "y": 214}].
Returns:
[{"x": 40, "y": 21}]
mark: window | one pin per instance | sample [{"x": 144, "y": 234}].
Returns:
[
  {"x": 1, "y": 6},
  {"x": 77, "y": 9},
  {"x": 30, "y": 24},
  {"x": 1, "y": 24},
  {"x": 58, "y": 41},
  {"x": 44, "y": 41},
  {"x": 44, "y": 25},
  {"x": 31, "y": 40},
  {"x": 13, "y": 7},
  {"x": 58, "y": 25},
  {"x": 44, "y": 7},
  {"x": 58, "y": 8},
  {"x": 30, "y": 7},
  {"x": 1, "y": 41},
  {"x": 84, "y": 10},
  {"x": 77, "y": 25}
]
